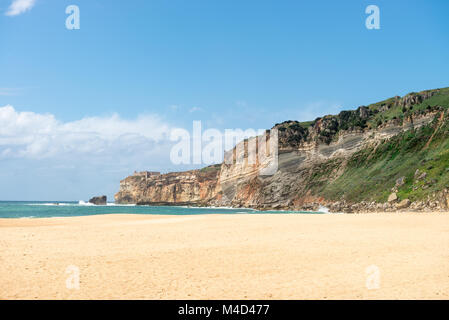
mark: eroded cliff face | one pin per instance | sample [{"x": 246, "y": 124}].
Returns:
[
  {"x": 311, "y": 157},
  {"x": 291, "y": 187},
  {"x": 195, "y": 187}
]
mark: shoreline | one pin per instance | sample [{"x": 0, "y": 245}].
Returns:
[
  {"x": 256, "y": 213},
  {"x": 154, "y": 209},
  {"x": 224, "y": 256}
]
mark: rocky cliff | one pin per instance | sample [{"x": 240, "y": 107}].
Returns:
[
  {"x": 195, "y": 187},
  {"x": 101, "y": 200},
  {"x": 360, "y": 160}
]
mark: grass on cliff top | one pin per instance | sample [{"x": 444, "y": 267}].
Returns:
[
  {"x": 350, "y": 120},
  {"x": 306, "y": 124},
  {"x": 211, "y": 168},
  {"x": 372, "y": 172},
  {"x": 439, "y": 99}
]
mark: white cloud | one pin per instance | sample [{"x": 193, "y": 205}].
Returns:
[
  {"x": 37, "y": 136},
  {"x": 20, "y": 6},
  {"x": 42, "y": 157},
  {"x": 195, "y": 109},
  {"x": 9, "y": 91}
]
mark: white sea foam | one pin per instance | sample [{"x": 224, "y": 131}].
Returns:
[
  {"x": 84, "y": 203},
  {"x": 47, "y": 204},
  {"x": 225, "y": 208},
  {"x": 323, "y": 209},
  {"x": 212, "y": 207},
  {"x": 113, "y": 204},
  {"x": 80, "y": 203}
]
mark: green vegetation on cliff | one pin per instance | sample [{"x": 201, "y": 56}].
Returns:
[
  {"x": 412, "y": 160},
  {"x": 328, "y": 128},
  {"x": 421, "y": 156},
  {"x": 361, "y": 156},
  {"x": 390, "y": 109}
]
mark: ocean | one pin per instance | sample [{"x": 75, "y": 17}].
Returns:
[{"x": 46, "y": 209}]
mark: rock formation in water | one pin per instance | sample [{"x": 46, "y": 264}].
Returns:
[
  {"x": 102, "y": 200},
  {"x": 360, "y": 160}
]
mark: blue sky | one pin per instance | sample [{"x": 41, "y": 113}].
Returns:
[{"x": 153, "y": 65}]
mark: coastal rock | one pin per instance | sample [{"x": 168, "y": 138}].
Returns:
[
  {"x": 403, "y": 204},
  {"x": 417, "y": 172},
  {"x": 180, "y": 188},
  {"x": 392, "y": 197},
  {"x": 421, "y": 176},
  {"x": 102, "y": 200},
  {"x": 400, "y": 182},
  {"x": 414, "y": 98},
  {"x": 364, "y": 112}
]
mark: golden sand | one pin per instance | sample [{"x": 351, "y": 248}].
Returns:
[{"x": 248, "y": 256}]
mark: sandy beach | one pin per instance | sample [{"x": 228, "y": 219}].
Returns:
[{"x": 248, "y": 256}]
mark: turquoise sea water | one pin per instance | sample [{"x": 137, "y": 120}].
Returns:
[{"x": 45, "y": 209}]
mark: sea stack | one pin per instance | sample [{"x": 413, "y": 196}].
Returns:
[{"x": 99, "y": 200}]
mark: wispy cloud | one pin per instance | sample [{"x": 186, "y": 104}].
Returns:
[
  {"x": 19, "y": 6},
  {"x": 195, "y": 109},
  {"x": 9, "y": 91},
  {"x": 241, "y": 103}
]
